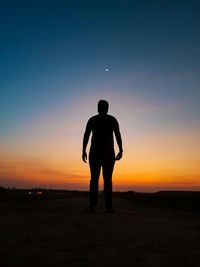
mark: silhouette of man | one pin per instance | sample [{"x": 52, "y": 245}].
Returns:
[{"x": 102, "y": 154}]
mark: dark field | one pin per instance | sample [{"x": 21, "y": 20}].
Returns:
[{"x": 53, "y": 229}]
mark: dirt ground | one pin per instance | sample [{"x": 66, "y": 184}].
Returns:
[{"x": 58, "y": 232}]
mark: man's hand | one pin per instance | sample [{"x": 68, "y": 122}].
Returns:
[
  {"x": 119, "y": 156},
  {"x": 84, "y": 156}
]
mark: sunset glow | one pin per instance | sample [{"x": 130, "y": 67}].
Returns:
[{"x": 54, "y": 75}]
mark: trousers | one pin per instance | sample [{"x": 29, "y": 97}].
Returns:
[{"x": 107, "y": 166}]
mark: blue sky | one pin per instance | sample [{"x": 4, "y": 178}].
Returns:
[{"x": 53, "y": 56}]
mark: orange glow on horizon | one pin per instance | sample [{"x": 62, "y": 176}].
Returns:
[
  {"x": 47, "y": 151},
  {"x": 34, "y": 174}
]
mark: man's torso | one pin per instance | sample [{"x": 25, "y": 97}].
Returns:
[{"x": 102, "y": 127}]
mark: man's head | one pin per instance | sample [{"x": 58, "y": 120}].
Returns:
[{"x": 103, "y": 107}]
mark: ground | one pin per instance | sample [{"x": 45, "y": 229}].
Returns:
[{"x": 58, "y": 232}]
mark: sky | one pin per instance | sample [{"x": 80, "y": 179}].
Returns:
[{"x": 58, "y": 58}]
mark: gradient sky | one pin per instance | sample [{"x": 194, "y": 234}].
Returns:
[{"x": 53, "y": 57}]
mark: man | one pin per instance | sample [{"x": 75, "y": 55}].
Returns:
[{"x": 102, "y": 154}]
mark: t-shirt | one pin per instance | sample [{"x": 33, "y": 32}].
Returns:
[{"x": 102, "y": 127}]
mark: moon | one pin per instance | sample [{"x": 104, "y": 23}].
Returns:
[{"x": 106, "y": 70}]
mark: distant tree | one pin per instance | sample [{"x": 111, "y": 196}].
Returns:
[{"x": 2, "y": 189}]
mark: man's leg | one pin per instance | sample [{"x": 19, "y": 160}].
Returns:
[
  {"x": 95, "y": 168},
  {"x": 108, "y": 167}
]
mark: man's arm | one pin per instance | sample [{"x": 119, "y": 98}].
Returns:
[
  {"x": 119, "y": 141},
  {"x": 85, "y": 141}
]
